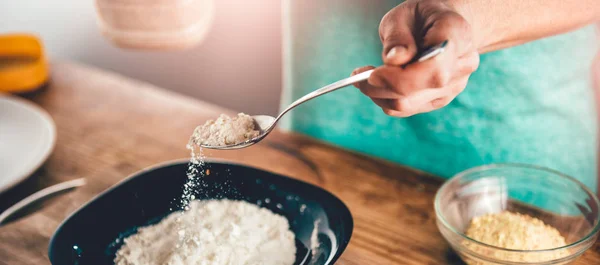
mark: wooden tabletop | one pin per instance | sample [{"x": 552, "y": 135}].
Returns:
[{"x": 110, "y": 126}]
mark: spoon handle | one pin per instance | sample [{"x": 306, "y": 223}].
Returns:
[
  {"x": 425, "y": 55},
  {"x": 329, "y": 88},
  {"x": 40, "y": 195}
]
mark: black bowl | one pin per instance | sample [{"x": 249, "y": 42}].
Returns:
[{"x": 93, "y": 233}]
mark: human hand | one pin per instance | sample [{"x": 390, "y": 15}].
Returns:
[{"x": 404, "y": 91}]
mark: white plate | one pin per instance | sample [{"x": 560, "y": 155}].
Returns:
[{"x": 27, "y": 137}]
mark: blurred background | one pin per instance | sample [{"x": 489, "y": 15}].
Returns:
[{"x": 242, "y": 51}]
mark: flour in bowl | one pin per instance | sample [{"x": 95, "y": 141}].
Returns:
[
  {"x": 217, "y": 232},
  {"x": 225, "y": 130}
]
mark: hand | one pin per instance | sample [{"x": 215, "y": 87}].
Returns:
[{"x": 423, "y": 86}]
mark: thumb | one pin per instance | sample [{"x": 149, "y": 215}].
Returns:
[{"x": 399, "y": 46}]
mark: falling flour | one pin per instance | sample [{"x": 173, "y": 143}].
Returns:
[
  {"x": 225, "y": 130},
  {"x": 211, "y": 232},
  {"x": 217, "y": 232}
]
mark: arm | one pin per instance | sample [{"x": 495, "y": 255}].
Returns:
[
  {"x": 502, "y": 24},
  {"x": 472, "y": 27}
]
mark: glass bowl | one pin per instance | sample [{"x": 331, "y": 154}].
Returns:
[
  {"x": 155, "y": 24},
  {"x": 556, "y": 199}
]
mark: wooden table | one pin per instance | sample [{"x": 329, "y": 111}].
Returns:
[{"x": 110, "y": 126}]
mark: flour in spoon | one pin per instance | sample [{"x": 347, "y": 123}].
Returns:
[
  {"x": 225, "y": 130},
  {"x": 220, "y": 232}
]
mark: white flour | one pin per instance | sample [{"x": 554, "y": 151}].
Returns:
[
  {"x": 225, "y": 131},
  {"x": 217, "y": 232},
  {"x": 314, "y": 239}
]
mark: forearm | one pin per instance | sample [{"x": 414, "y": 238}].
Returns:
[{"x": 502, "y": 24}]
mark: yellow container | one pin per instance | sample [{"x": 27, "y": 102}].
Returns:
[{"x": 23, "y": 65}]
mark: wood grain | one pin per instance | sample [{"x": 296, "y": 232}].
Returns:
[{"x": 110, "y": 127}]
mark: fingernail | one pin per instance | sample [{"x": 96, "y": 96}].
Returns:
[{"x": 394, "y": 51}]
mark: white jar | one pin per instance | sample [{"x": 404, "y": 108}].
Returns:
[{"x": 155, "y": 24}]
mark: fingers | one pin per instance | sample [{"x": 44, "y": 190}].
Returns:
[
  {"x": 408, "y": 81},
  {"x": 385, "y": 105},
  {"x": 392, "y": 82},
  {"x": 404, "y": 90},
  {"x": 451, "y": 91},
  {"x": 358, "y": 71},
  {"x": 468, "y": 63},
  {"x": 362, "y": 69},
  {"x": 395, "y": 31},
  {"x": 434, "y": 73},
  {"x": 448, "y": 25},
  {"x": 408, "y": 106},
  {"x": 378, "y": 92},
  {"x": 425, "y": 101},
  {"x": 374, "y": 90},
  {"x": 402, "y": 38}
]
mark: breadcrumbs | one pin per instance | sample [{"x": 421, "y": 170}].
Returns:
[{"x": 514, "y": 231}]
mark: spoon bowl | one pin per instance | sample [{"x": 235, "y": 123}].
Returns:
[{"x": 266, "y": 123}]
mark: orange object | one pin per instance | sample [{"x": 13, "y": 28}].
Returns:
[{"x": 23, "y": 65}]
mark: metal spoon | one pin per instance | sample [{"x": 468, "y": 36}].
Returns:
[
  {"x": 39, "y": 195},
  {"x": 266, "y": 123}
]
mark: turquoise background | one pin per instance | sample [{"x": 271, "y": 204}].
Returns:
[{"x": 529, "y": 104}]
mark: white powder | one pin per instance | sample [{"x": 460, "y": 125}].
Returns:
[
  {"x": 225, "y": 131},
  {"x": 195, "y": 172},
  {"x": 217, "y": 232},
  {"x": 314, "y": 238},
  {"x": 214, "y": 232}
]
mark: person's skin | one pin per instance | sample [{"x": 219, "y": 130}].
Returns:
[{"x": 471, "y": 27}]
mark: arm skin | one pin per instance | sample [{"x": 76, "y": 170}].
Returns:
[
  {"x": 502, "y": 24},
  {"x": 536, "y": 19},
  {"x": 472, "y": 27}
]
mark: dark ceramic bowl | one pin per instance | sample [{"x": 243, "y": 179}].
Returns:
[{"x": 94, "y": 232}]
